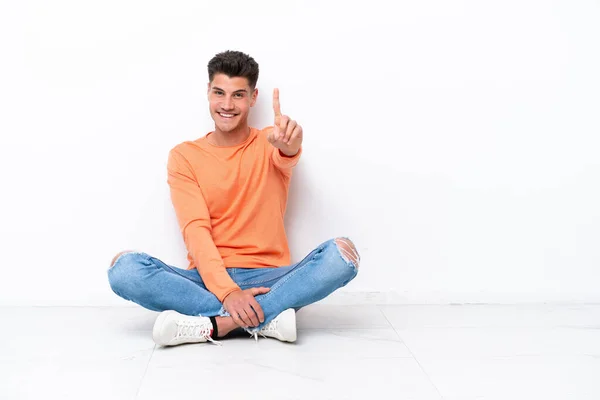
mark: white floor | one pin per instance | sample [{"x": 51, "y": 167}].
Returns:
[{"x": 343, "y": 352}]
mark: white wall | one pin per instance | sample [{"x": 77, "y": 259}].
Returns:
[{"x": 456, "y": 142}]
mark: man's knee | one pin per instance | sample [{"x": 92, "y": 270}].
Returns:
[
  {"x": 125, "y": 280},
  {"x": 348, "y": 250}
]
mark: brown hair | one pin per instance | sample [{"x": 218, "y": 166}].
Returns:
[{"x": 234, "y": 64}]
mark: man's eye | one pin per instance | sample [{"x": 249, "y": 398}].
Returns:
[
  {"x": 239, "y": 95},
  {"x": 218, "y": 93}
]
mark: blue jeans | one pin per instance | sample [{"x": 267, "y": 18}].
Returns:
[{"x": 149, "y": 282}]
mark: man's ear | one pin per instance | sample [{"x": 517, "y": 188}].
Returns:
[
  {"x": 208, "y": 89},
  {"x": 254, "y": 97}
]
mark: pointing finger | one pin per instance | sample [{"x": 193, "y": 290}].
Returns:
[{"x": 276, "y": 104}]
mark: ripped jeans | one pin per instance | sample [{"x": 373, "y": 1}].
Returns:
[{"x": 149, "y": 282}]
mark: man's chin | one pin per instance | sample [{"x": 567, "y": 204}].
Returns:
[{"x": 226, "y": 128}]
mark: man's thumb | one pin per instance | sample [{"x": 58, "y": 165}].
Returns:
[{"x": 260, "y": 290}]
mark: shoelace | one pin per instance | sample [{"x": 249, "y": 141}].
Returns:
[
  {"x": 189, "y": 329},
  {"x": 270, "y": 327}
]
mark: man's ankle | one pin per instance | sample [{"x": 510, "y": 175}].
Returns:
[{"x": 225, "y": 325}]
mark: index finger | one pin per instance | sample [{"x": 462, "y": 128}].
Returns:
[
  {"x": 276, "y": 105},
  {"x": 237, "y": 319}
]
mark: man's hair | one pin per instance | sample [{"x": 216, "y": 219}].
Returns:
[{"x": 234, "y": 64}]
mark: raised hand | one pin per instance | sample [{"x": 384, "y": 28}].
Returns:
[{"x": 286, "y": 134}]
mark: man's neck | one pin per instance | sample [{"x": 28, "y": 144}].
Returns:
[{"x": 232, "y": 138}]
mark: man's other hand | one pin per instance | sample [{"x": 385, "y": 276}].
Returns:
[{"x": 243, "y": 307}]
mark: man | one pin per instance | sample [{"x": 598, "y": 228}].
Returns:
[{"x": 229, "y": 189}]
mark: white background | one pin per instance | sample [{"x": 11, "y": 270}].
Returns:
[{"x": 456, "y": 142}]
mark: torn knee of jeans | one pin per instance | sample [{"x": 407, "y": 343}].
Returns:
[
  {"x": 348, "y": 250},
  {"x": 114, "y": 260}
]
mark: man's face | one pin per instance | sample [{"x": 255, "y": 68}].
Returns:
[{"x": 230, "y": 100}]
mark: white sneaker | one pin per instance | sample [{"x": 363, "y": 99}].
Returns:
[
  {"x": 283, "y": 327},
  {"x": 172, "y": 328}
]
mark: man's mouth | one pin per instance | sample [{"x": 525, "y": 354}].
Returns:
[{"x": 226, "y": 115}]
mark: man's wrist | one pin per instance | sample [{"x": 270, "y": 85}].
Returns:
[
  {"x": 284, "y": 154},
  {"x": 227, "y": 295}
]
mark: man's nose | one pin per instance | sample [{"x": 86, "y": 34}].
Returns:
[{"x": 227, "y": 103}]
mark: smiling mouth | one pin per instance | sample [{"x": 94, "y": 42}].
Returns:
[{"x": 227, "y": 115}]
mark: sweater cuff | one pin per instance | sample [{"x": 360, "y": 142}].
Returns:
[
  {"x": 285, "y": 162},
  {"x": 219, "y": 282}
]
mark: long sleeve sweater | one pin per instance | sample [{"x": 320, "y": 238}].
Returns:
[{"x": 230, "y": 203}]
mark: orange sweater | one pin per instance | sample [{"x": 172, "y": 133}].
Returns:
[{"x": 230, "y": 203}]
